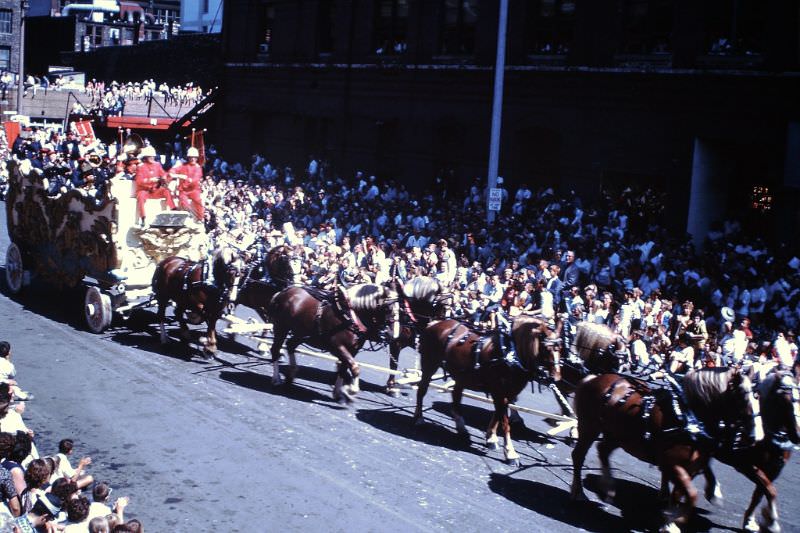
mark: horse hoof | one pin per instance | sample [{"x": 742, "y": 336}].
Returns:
[
  {"x": 716, "y": 501},
  {"x": 672, "y": 527},
  {"x": 418, "y": 422},
  {"x": 577, "y": 495},
  {"x": 392, "y": 392},
  {"x": 491, "y": 446},
  {"x": 514, "y": 463},
  {"x": 751, "y": 525},
  {"x": 608, "y": 495},
  {"x": 767, "y": 523},
  {"x": 277, "y": 380}
]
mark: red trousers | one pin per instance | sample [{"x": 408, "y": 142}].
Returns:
[
  {"x": 196, "y": 205},
  {"x": 142, "y": 196}
]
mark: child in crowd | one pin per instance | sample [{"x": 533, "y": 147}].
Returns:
[{"x": 8, "y": 372}]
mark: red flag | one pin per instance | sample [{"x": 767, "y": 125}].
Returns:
[
  {"x": 200, "y": 144},
  {"x": 84, "y": 129},
  {"x": 12, "y": 132}
]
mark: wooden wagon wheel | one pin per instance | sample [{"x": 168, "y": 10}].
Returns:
[
  {"x": 14, "y": 269},
  {"x": 97, "y": 310}
]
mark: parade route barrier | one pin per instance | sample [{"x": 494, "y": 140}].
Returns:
[{"x": 247, "y": 328}]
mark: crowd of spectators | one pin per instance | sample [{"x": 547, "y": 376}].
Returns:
[
  {"x": 47, "y": 493},
  {"x": 616, "y": 259}
]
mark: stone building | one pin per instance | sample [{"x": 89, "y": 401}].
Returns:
[
  {"x": 9, "y": 35},
  {"x": 696, "y": 98}
]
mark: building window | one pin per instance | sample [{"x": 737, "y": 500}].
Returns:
[
  {"x": 205, "y": 7},
  {"x": 5, "y": 58},
  {"x": 550, "y": 26},
  {"x": 325, "y": 26},
  {"x": 646, "y": 27},
  {"x": 457, "y": 26},
  {"x": 761, "y": 199},
  {"x": 391, "y": 26},
  {"x": 6, "y": 17},
  {"x": 735, "y": 27}
]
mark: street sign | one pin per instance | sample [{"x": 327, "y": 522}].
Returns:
[{"x": 495, "y": 199}]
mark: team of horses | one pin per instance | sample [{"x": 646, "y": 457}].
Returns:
[{"x": 752, "y": 426}]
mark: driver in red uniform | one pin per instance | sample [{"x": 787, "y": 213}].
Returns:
[
  {"x": 151, "y": 181},
  {"x": 190, "y": 176}
]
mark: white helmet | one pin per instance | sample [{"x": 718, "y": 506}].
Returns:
[
  {"x": 148, "y": 151},
  {"x": 192, "y": 152}
]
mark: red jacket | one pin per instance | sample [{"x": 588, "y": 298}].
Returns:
[
  {"x": 193, "y": 173},
  {"x": 145, "y": 173}
]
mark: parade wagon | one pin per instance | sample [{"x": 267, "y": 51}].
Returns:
[{"x": 75, "y": 240}]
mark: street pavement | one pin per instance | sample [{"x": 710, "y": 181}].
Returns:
[{"x": 213, "y": 446}]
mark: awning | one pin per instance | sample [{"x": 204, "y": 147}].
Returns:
[{"x": 139, "y": 123}]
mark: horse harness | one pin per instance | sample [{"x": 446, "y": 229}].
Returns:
[
  {"x": 649, "y": 399},
  {"x": 331, "y": 299},
  {"x": 503, "y": 353},
  {"x": 188, "y": 284}
]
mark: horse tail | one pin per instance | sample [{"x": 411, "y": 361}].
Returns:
[{"x": 157, "y": 275}]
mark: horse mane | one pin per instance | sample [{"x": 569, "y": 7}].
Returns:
[
  {"x": 220, "y": 259},
  {"x": 592, "y": 339},
  {"x": 278, "y": 264},
  {"x": 527, "y": 345},
  {"x": 366, "y": 296},
  {"x": 707, "y": 385},
  {"x": 422, "y": 288}
]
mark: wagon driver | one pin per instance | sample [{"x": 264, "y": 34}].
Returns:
[
  {"x": 150, "y": 182},
  {"x": 189, "y": 176}
]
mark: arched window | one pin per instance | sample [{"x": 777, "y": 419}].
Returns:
[
  {"x": 391, "y": 27},
  {"x": 457, "y": 26},
  {"x": 647, "y": 27},
  {"x": 550, "y": 26}
]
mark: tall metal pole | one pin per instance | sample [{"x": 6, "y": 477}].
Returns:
[
  {"x": 21, "y": 68},
  {"x": 497, "y": 104}
]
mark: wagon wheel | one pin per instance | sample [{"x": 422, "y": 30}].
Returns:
[
  {"x": 97, "y": 310},
  {"x": 14, "y": 269}
]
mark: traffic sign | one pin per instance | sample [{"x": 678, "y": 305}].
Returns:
[{"x": 495, "y": 199}]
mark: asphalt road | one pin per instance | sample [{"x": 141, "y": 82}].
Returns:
[{"x": 202, "y": 446}]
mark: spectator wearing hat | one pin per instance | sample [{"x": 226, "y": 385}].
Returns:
[
  {"x": 150, "y": 182},
  {"x": 190, "y": 177}
]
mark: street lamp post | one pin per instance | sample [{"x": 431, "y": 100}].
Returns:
[
  {"x": 497, "y": 107},
  {"x": 21, "y": 68}
]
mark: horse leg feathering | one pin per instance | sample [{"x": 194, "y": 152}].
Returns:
[
  {"x": 491, "y": 433},
  {"x": 511, "y": 455},
  {"x": 713, "y": 492}
]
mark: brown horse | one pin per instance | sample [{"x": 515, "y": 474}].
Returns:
[
  {"x": 641, "y": 421},
  {"x": 762, "y": 462},
  {"x": 478, "y": 363},
  {"x": 594, "y": 349},
  {"x": 339, "y": 323},
  {"x": 256, "y": 293},
  {"x": 423, "y": 299},
  {"x": 181, "y": 281}
]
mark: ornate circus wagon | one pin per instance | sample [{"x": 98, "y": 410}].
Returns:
[{"x": 73, "y": 240}]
